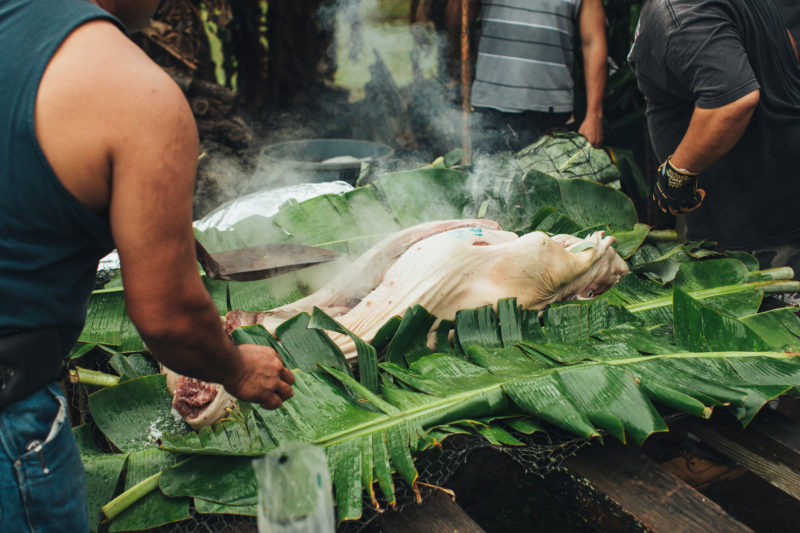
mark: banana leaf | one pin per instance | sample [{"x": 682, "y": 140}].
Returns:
[
  {"x": 155, "y": 509},
  {"x": 133, "y": 366},
  {"x": 722, "y": 284},
  {"x": 417, "y": 196},
  {"x": 778, "y": 327},
  {"x": 102, "y": 472},
  {"x": 589, "y": 383},
  {"x": 222, "y": 480},
  {"x": 568, "y": 155},
  {"x": 591, "y": 368},
  {"x": 104, "y": 318},
  {"x": 147, "y": 413}
]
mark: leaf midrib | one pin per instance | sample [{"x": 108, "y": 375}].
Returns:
[
  {"x": 665, "y": 301},
  {"x": 391, "y": 420}
]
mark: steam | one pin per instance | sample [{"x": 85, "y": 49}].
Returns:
[{"x": 390, "y": 88}]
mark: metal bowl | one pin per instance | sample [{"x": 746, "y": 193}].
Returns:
[{"x": 309, "y": 158}]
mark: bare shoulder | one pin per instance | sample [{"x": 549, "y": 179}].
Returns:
[
  {"x": 114, "y": 75},
  {"x": 101, "y": 100}
]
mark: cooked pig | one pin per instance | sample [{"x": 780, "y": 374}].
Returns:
[{"x": 460, "y": 269}]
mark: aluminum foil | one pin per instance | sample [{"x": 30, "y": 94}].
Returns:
[{"x": 264, "y": 203}]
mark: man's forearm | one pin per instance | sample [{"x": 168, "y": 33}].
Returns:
[
  {"x": 713, "y": 132},
  {"x": 595, "y": 73},
  {"x": 186, "y": 334},
  {"x": 592, "y": 27}
]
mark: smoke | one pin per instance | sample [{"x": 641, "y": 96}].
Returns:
[
  {"x": 390, "y": 87},
  {"x": 220, "y": 177}
]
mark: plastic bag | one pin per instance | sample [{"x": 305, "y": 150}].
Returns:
[{"x": 294, "y": 490}]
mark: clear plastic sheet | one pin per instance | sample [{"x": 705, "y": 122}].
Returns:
[{"x": 294, "y": 490}]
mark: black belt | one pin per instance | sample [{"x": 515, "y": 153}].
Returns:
[{"x": 29, "y": 361}]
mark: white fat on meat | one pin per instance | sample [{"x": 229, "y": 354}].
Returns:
[
  {"x": 356, "y": 281},
  {"x": 469, "y": 268}
]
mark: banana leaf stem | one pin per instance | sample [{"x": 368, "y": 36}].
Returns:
[
  {"x": 130, "y": 496},
  {"x": 766, "y": 286},
  {"x": 785, "y": 286},
  {"x": 85, "y": 376},
  {"x": 134, "y": 494},
  {"x": 783, "y": 273},
  {"x": 663, "y": 235}
]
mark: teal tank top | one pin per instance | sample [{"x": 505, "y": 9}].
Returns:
[{"x": 49, "y": 243}]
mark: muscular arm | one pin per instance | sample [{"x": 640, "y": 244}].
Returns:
[
  {"x": 121, "y": 138},
  {"x": 592, "y": 27},
  {"x": 713, "y": 132}
]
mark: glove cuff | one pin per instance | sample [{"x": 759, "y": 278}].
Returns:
[{"x": 677, "y": 177}]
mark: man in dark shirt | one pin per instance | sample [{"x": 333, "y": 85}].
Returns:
[{"x": 722, "y": 86}]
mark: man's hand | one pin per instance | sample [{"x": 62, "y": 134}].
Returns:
[
  {"x": 592, "y": 129},
  {"x": 676, "y": 189},
  {"x": 262, "y": 378}
]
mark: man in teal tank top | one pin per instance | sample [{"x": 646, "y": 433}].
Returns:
[{"x": 98, "y": 149}]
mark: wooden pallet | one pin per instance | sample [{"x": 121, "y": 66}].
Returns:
[{"x": 619, "y": 488}]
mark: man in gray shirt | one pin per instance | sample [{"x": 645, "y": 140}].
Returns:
[{"x": 523, "y": 76}]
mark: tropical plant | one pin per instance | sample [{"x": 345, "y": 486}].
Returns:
[{"x": 682, "y": 331}]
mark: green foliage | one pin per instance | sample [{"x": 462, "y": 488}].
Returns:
[{"x": 682, "y": 331}]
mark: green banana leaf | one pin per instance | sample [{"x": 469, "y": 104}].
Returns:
[
  {"x": 724, "y": 284},
  {"x": 102, "y": 472},
  {"x": 662, "y": 336},
  {"x": 568, "y": 155},
  {"x": 155, "y": 509},
  {"x": 147, "y": 413},
  {"x": 579, "y": 376}
]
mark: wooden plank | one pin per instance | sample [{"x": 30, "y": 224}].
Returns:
[
  {"x": 620, "y": 489},
  {"x": 437, "y": 513},
  {"x": 770, "y": 447},
  {"x": 782, "y": 430}
]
